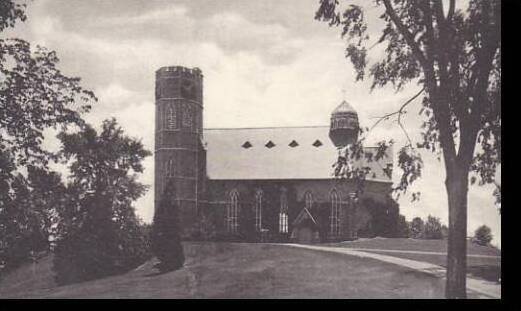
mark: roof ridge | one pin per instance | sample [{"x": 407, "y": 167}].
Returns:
[{"x": 262, "y": 127}]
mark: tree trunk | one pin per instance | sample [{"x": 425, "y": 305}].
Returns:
[{"x": 457, "y": 190}]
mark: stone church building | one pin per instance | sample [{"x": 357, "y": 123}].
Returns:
[{"x": 259, "y": 184}]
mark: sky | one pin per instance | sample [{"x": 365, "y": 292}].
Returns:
[{"x": 265, "y": 63}]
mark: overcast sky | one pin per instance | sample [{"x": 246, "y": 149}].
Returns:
[{"x": 265, "y": 63}]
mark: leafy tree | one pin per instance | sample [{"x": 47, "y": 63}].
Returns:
[
  {"x": 384, "y": 218},
  {"x": 455, "y": 57},
  {"x": 27, "y": 219},
  {"x": 482, "y": 235},
  {"x": 166, "y": 239},
  {"x": 34, "y": 96},
  {"x": 433, "y": 228},
  {"x": 100, "y": 233},
  {"x": 417, "y": 228}
]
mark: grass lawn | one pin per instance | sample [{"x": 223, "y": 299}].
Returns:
[
  {"x": 479, "y": 267},
  {"x": 236, "y": 270}
]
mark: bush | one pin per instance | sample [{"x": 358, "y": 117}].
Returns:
[
  {"x": 403, "y": 230},
  {"x": 384, "y": 218},
  {"x": 417, "y": 228},
  {"x": 444, "y": 231},
  {"x": 483, "y": 235},
  {"x": 166, "y": 239},
  {"x": 98, "y": 245},
  {"x": 433, "y": 229},
  {"x": 203, "y": 229}
]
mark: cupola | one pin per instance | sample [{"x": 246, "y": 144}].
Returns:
[{"x": 344, "y": 125}]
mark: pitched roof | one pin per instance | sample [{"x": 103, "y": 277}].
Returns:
[
  {"x": 312, "y": 158},
  {"x": 303, "y": 215},
  {"x": 344, "y": 107}
]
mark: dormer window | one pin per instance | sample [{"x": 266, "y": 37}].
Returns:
[
  {"x": 270, "y": 144},
  {"x": 247, "y": 145},
  {"x": 317, "y": 143},
  {"x": 293, "y": 144}
]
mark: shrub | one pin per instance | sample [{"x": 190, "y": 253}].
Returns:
[
  {"x": 203, "y": 229},
  {"x": 403, "y": 230},
  {"x": 166, "y": 239},
  {"x": 444, "y": 231},
  {"x": 417, "y": 228},
  {"x": 432, "y": 229},
  {"x": 97, "y": 245},
  {"x": 483, "y": 235},
  {"x": 384, "y": 218}
]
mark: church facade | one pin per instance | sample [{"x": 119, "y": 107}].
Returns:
[{"x": 259, "y": 184}]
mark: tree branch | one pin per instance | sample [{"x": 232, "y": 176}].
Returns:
[
  {"x": 405, "y": 33},
  {"x": 399, "y": 112}
]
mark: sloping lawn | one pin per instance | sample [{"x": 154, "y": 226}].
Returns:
[
  {"x": 487, "y": 268},
  {"x": 236, "y": 270}
]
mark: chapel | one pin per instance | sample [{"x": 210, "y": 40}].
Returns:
[{"x": 272, "y": 184}]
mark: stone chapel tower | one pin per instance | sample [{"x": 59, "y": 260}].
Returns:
[{"x": 178, "y": 134}]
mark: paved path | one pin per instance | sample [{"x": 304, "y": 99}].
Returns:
[
  {"x": 485, "y": 288},
  {"x": 416, "y": 252}
]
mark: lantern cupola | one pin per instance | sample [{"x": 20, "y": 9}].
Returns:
[{"x": 344, "y": 125}]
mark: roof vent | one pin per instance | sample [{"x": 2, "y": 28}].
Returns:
[
  {"x": 270, "y": 144},
  {"x": 293, "y": 144},
  {"x": 317, "y": 143},
  {"x": 247, "y": 145}
]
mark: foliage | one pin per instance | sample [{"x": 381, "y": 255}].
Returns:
[
  {"x": 384, "y": 218},
  {"x": 27, "y": 220},
  {"x": 417, "y": 228},
  {"x": 455, "y": 56},
  {"x": 483, "y": 235},
  {"x": 444, "y": 231},
  {"x": 166, "y": 239},
  {"x": 203, "y": 229},
  {"x": 403, "y": 230},
  {"x": 433, "y": 228},
  {"x": 99, "y": 233},
  {"x": 10, "y": 12},
  {"x": 34, "y": 96}
]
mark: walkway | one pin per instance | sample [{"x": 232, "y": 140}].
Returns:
[
  {"x": 416, "y": 252},
  {"x": 485, "y": 288}
]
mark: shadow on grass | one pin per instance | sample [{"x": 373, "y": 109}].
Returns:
[{"x": 487, "y": 272}]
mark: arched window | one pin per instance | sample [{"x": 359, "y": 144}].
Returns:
[
  {"x": 335, "y": 213},
  {"x": 308, "y": 197},
  {"x": 187, "y": 116},
  {"x": 283, "y": 214},
  {"x": 232, "y": 212},
  {"x": 258, "y": 210},
  {"x": 171, "y": 117},
  {"x": 165, "y": 175},
  {"x": 171, "y": 167}
]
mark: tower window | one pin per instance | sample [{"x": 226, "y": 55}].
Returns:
[
  {"x": 293, "y": 144},
  {"x": 247, "y": 145},
  {"x": 171, "y": 117},
  {"x": 170, "y": 167},
  {"x": 270, "y": 144},
  {"x": 317, "y": 143},
  {"x": 187, "y": 116}
]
